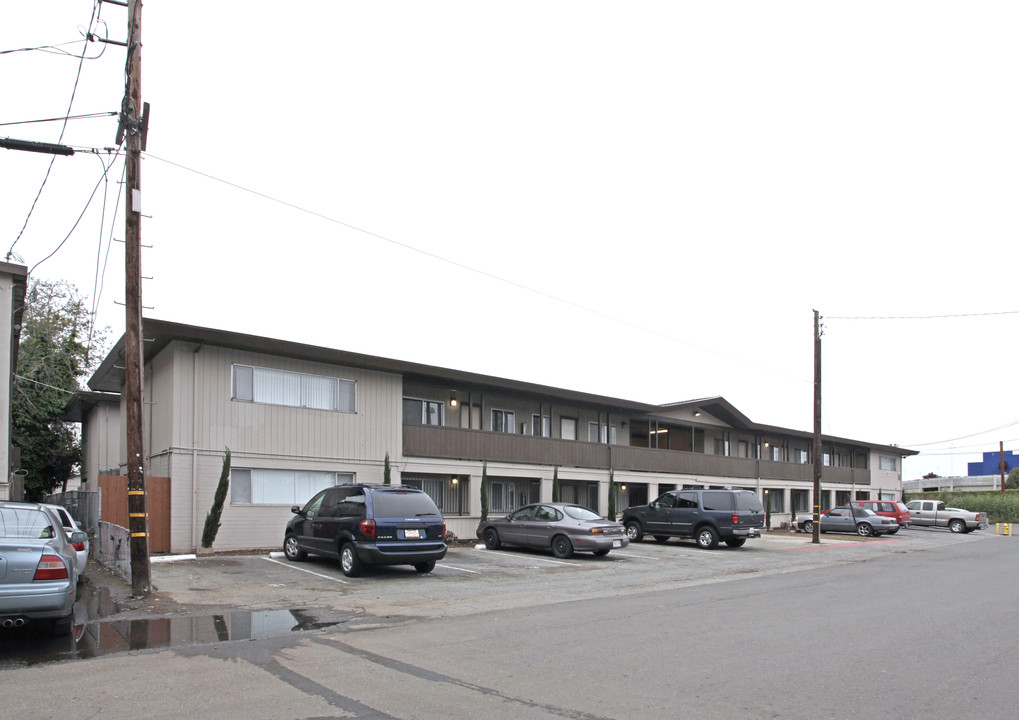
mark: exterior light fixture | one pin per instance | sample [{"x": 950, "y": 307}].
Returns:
[
  {"x": 696, "y": 413},
  {"x": 455, "y": 480},
  {"x": 452, "y": 400}
]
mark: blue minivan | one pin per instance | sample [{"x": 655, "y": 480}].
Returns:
[{"x": 363, "y": 525}]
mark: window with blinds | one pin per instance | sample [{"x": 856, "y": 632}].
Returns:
[{"x": 292, "y": 389}]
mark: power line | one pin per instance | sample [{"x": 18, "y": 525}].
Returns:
[
  {"x": 63, "y": 129},
  {"x": 963, "y": 437},
  {"x": 477, "y": 271},
  {"x": 919, "y": 317},
  {"x": 89, "y": 116}
]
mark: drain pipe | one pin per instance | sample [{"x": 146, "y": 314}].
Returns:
[{"x": 194, "y": 446}]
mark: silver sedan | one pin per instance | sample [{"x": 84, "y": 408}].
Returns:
[
  {"x": 561, "y": 527},
  {"x": 857, "y": 520}
]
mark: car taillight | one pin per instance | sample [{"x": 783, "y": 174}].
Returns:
[
  {"x": 78, "y": 546},
  {"x": 443, "y": 528},
  {"x": 368, "y": 528},
  {"x": 735, "y": 518},
  {"x": 50, "y": 567}
]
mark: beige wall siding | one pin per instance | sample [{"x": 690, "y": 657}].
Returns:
[
  {"x": 188, "y": 446},
  {"x": 102, "y": 449}
]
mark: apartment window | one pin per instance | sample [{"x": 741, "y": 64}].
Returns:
[
  {"x": 503, "y": 496},
  {"x": 292, "y": 389},
  {"x": 774, "y": 501},
  {"x": 744, "y": 449},
  {"x": 801, "y": 501},
  {"x": 541, "y": 425},
  {"x": 258, "y": 486},
  {"x": 720, "y": 446},
  {"x": 887, "y": 463},
  {"x": 800, "y": 456},
  {"x": 600, "y": 432},
  {"x": 503, "y": 421},
  {"x": 449, "y": 493},
  {"x": 777, "y": 453},
  {"x": 422, "y": 412},
  {"x": 842, "y": 497},
  {"x": 568, "y": 428}
]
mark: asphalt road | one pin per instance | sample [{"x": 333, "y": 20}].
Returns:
[{"x": 913, "y": 626}]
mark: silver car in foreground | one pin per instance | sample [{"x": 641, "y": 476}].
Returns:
[
  {"x": 857, "y": 520},
  {"x": 563, "y": 528},
  {"x": 38, "y": 570}
]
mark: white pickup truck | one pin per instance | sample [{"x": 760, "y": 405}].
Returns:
[{"x": 933, "y": 513}]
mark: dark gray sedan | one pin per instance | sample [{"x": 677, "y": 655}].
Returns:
[
  {"x": 560, "y": 527},
  {"x": 857, "y": 520}
]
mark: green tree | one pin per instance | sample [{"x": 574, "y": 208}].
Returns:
[
  {"x": 1012, "y": 482},
  {"x": 212, "y": 519},
  {"x": 484, "y": 491},
  {"x": 612, "y": 494},
  {"x": 386, "y": 476},
  {"x": 555, "y": 484},
  {"x": 53, "y": 360}
]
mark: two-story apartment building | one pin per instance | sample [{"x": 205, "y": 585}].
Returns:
[{"x": 298, "y": 418}]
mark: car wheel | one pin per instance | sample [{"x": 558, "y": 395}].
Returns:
[
  {"x": 492, "y": 539},
  {"x": 735, "y": 542},
  {"x": 707, "y": 538},
  {"x": 425, "y": 567},
  {"x": 634, "y": 531},
  {"x": 562, "y": 547},
  {"x": 601, "y": 553},
  {"x": 349, "y": 562},
  {"x": 662, "y": 538},
  {"x": 957, "y": 526},
  {"x": 864, "y": 530},
  {"x": 60, "y": 626},
  {"x": 292, "y": 550},
  {"x": 808, "y": 526}
]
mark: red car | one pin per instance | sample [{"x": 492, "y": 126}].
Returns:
[{"x": 888, "y": 508}]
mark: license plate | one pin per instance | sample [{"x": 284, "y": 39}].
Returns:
[
  {"x": 412, "y": 534},
  {"x": 617, "y": 543}
]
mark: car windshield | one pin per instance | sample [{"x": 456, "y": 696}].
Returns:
[
  {"x": 402, "y": 503},
  {"x": 25, "y": 523},
  {"x": 581, "y": 513}
]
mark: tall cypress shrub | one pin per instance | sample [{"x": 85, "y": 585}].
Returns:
[
  {"x": 612, "y": 495},
  {"x": 212, "y": 519},
  {"x": 386, "y": 478},
  {"x": 555, "y": 484},
  {"x": 484, "y": 491}
]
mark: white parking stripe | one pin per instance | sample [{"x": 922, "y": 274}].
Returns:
[
  {"x": 327, "y": 577},
  {"x": 530, "y": 558},
  {"x": 454, "y": 567}
]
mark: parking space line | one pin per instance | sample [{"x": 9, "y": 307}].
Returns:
[
  {"x": 454, "y": 567},
  {"x": 310, "y": 572},
  {"x": 530, "y": 558}
]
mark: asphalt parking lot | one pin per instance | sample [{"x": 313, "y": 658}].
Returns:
[
  {"x": 472, "y": 579},
  {"x": 215, "y": 598}
]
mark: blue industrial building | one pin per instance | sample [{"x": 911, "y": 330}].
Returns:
[{"x": 991, "y": 464}]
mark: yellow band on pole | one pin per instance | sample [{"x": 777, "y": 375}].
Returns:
[
  {"x": 135, "y": 492},
  {"x": 138, "y": 514},
  {"x": 139, "y": 534}
]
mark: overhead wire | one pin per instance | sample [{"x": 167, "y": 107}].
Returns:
[
  {"x": 63, "y": 129},
  {"x": 483, "y": 273},
  {"x": 106, "y": 170},
  {"x": 100, "y": 276},
  {"x": 110, "y": 113}
]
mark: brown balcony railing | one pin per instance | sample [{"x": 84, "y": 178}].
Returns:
[{"x": 477, "y": 445}]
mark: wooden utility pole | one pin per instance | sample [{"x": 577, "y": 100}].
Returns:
[
  {"x": 133, "y": 122},
  {"x": 817, "y": 428}
]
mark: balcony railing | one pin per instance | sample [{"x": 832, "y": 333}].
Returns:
[{"x": 478, "y": 445}]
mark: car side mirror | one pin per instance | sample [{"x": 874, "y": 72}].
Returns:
[
  {"x": 78, "y": 537},
  {"x": 296, "y": 510}
]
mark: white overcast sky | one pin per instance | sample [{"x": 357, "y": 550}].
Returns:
[{"x": 644, "y": 200}]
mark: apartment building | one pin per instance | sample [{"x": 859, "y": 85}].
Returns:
[{"x": 297, "y": 418}]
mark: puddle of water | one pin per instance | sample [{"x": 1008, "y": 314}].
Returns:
[{"x": 92, "y": 637}]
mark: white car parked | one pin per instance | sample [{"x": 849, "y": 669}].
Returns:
[{"x": 70, "y": 526}]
